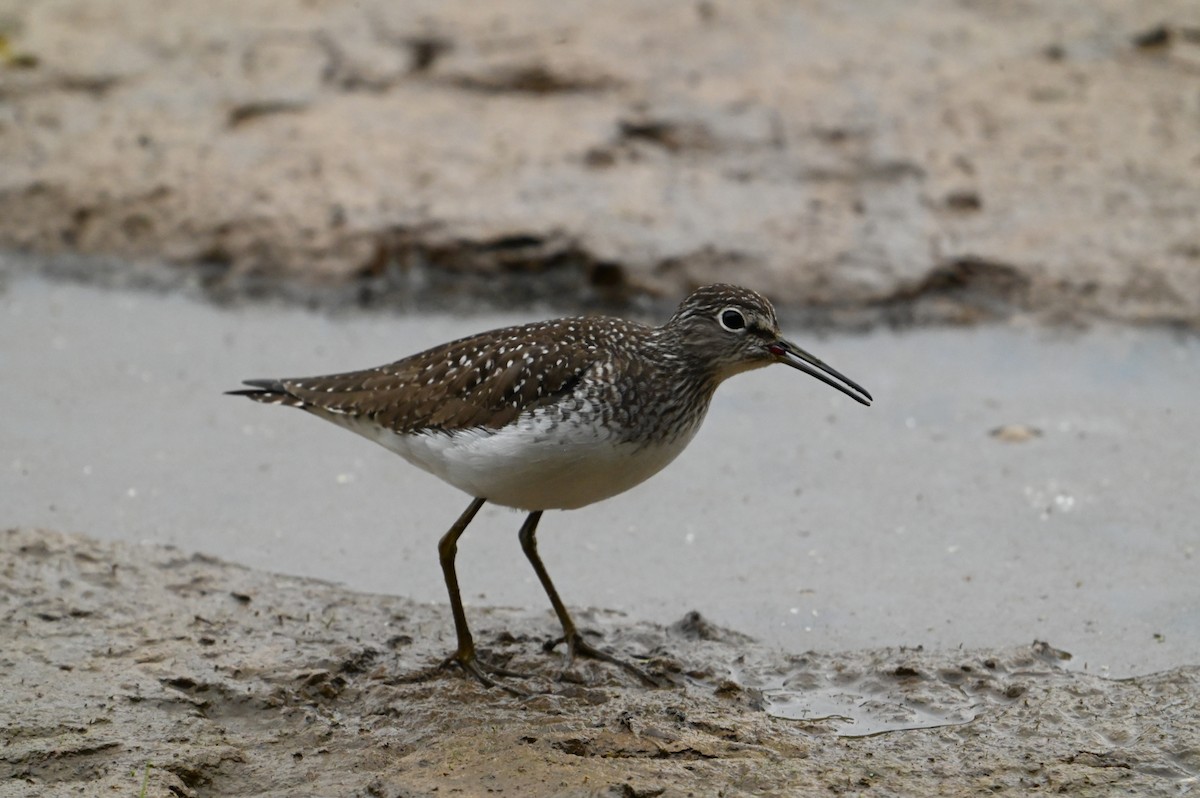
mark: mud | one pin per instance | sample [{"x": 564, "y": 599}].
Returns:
[
  {"x": 929, "y": 161},
  {"x": 137, "y": 670}
]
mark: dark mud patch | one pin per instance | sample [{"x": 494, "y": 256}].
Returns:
[{"x": 125, "y": 664}]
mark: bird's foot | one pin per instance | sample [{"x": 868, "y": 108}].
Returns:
[
  {"x": 483, "y": 671},
  {"x": 578, "y": 646},
  {"x": 471, "y": 664}
]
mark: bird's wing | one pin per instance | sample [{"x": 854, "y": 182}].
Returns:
[{"x": 484, "y": 380}]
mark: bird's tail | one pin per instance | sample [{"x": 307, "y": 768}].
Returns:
[{"x": 269, "y": 392}]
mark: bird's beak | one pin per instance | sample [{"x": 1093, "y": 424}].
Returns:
[{"x": 792, "y": 355}]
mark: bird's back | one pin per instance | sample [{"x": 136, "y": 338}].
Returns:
[{"x": 480, "y": 381}]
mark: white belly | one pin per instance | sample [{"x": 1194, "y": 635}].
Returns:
[{"x": 535, "y": 463}]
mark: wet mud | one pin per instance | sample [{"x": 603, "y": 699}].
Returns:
[{"x": 131, "y": 670}]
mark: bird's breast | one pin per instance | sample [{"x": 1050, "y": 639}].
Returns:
[{"x": 542, "y": 461}]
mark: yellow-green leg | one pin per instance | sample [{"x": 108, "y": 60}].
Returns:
[
  {"x": 464, "y": 656},
  {"x": 576, "y": 644}
]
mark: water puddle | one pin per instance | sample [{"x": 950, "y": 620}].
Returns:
[
  {"x": 850, "y": 713},
  {"x": 899, "y": 690}
]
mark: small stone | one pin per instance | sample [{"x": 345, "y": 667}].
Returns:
[{"x": 1015, "y": 433}]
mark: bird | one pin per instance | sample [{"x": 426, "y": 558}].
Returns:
[{"x": 553, "y": 415}]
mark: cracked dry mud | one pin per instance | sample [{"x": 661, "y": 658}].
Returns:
[{"x": 127, "y": 665}]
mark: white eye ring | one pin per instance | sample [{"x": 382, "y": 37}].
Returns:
[{"x": 731, "y": 319}]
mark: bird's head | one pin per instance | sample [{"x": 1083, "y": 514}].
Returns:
[{"x": 727, "y": 329}]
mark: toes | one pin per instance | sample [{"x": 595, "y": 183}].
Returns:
[
  {"x": 577, "y": 646},
  {"x": 469, "y": 663}
]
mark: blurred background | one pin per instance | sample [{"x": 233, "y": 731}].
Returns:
[
  {"x": 943, "y": 160},
  {"x": 987, "y": 213}
]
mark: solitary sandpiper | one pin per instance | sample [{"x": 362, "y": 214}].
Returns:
[{"x": 553, "y": 415}]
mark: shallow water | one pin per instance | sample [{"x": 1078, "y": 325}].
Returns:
[
  {"x": 797, "y": 516},
  {"x": 901, "y": 689}
]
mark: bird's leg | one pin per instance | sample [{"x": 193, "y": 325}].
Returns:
[
  {"x": 465, "y": 656},
  {"x": 576, "y": 644}
]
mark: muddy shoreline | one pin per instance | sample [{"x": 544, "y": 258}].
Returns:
[{"x": 127, "y": 663}]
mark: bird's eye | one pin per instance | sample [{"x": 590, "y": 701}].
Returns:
[{"x": 732, "y": 320}]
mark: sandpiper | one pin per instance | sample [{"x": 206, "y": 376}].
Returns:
[{"x": 553, "y": 415}]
